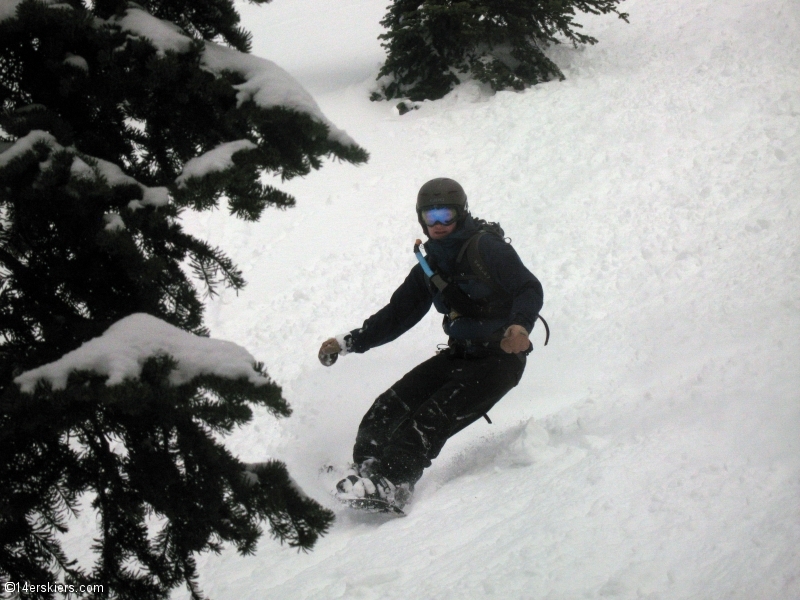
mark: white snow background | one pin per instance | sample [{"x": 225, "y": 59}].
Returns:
[{"x": 652, "y": 449}]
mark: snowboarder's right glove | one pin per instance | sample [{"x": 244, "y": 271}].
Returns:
[
  {"x": 333, "y": 347},
  {"x": 515, "y": 340}
]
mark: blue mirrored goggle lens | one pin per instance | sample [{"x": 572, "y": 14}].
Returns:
[{"x": 445, "y": 215}]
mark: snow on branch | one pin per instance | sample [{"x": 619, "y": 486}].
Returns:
[
  {"x": 76, "y": 61},
  {"x": 80, "y": 169},
  {"x": 268, "y": 85},
  {"x": 122, "y": 350},
  {"x": 164, "y": 35},
  {"x": 26, "y": 144},
  {"x": 218, "y": 159}
]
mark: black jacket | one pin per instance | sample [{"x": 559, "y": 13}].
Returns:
[{"x": 412, "y": 300}]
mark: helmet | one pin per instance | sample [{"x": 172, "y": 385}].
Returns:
[{"x": 442, "y": 192}]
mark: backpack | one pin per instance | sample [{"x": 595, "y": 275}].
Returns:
[{"x": 478, "y": 267}]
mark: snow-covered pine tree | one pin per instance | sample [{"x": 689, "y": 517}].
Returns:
[
  {"x": 499, "y": 42},
  {"x": 116, "y": 117}
]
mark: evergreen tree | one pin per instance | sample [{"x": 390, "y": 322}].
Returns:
[
  {"x": 113, "y": 121},
  {"x": 429, "y": 43}
]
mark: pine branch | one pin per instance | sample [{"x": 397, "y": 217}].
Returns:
[
  {"x": 213, "y": 267},
  {"x": 82, "y": 246}
]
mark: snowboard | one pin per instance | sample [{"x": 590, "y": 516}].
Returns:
[
  {"x": 373, "y": 505},
  {"x": 332, "y": 473}
]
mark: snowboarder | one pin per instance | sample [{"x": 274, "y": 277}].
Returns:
[{"x": 490, "y": 302}]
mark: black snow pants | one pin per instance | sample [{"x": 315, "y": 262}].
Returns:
[{"x": 407, "y": 425}]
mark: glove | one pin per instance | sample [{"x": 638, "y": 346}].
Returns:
[
  {"x": 333, "y": 347},
  {"x": 515, "y": 340},
  {"x": 329, "y": 352}
]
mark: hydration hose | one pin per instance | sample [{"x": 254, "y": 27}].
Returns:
[{"x": 435, "y": 278}]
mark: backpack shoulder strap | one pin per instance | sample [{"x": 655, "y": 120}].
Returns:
[
  {"x": 476, "y": 262},
  {"x": 478, "y": 266}
]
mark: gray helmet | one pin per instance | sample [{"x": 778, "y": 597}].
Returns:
[{"x": 442, "y": 192}]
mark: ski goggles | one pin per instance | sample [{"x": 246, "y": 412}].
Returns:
[{"x": 445, "y": 215}]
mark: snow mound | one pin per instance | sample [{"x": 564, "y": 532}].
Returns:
[{"x": 123, "y": 349}]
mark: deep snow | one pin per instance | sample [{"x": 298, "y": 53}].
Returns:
[{"x": 651, "y": 450}]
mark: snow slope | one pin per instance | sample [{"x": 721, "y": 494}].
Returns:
[{"x": 651, "y": 450}]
